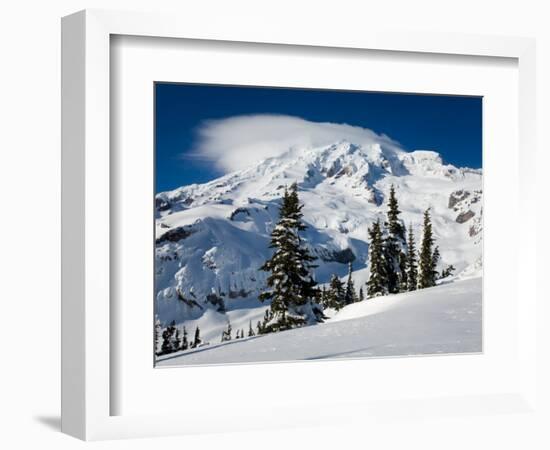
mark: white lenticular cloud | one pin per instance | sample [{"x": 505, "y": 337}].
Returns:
[{"x": 237, "y": 142}]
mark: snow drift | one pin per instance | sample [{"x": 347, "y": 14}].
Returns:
[{"x": 442, "y": 319}]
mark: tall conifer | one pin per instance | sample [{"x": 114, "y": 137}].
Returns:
[
  {"x": 184, "y": 341},
  {"x": 291, "y": 287},
  {"x": 426, "y": 269},
  {"x": 168, "y": 339},
  {"x": 157, "y": 335},
  {"x": 394, "y": 246},
  {"x": 411, "y": 262},
  {"x": 197, "y": 341},
  {"x": 350, "y": 295},
  {"x": 378, "y": 282}
]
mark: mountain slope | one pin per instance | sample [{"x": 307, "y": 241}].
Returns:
[
  {"x": 443, "y": 319},
  {"x": 213, "y": 237}
]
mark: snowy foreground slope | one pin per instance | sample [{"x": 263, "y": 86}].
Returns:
[
  {"x": 442, "y": 319},
  {"x": 212, "y": 238}
]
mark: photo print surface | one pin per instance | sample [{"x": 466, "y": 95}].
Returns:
[{"x": 304, "y": 224}]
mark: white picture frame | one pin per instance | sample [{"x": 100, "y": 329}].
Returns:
[{"x": 87, "y": 355}]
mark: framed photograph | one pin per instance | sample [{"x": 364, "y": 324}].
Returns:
[{"x": 334, "y": 206}]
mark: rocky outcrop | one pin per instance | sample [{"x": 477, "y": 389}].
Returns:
[
  {"x": 457, "y": 197},
  {"x": 343, "y": 256},
  {"x": 239, "y": 214},
  {"x": 465, "y": 216},
  {"x": 162, "y": 205},
  {"x": 188, "y": 301},
  {"x": 216, "y": 301},
  {"x": 238, "y": 293},
  {"x": 175, "y": 235}
]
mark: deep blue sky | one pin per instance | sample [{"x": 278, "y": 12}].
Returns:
[{"x": 450, "y": 125}]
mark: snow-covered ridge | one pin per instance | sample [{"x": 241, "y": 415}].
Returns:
[
  {"x": 213, "y": 237},
  {"x": 362, "y": 166}
]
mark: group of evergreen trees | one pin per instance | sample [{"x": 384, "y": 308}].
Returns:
[
  {"x": 395, "y": 265},
  {"x": 339, "y": 294},
  {"x": 227, "y": 336},
  {"x": 173, "y": 340}
]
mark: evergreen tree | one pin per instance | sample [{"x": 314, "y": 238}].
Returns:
[
  {"x": 250, "y": 329},
  {"x": 157, "y": 335},
  {"x": 291, "y": 287},
  {"x": 184, "y": 341},
  {"x": 336, "y": 294},
  {"x": 448, "y": 271},
  {"x": 259, "y": 328},
  {"x": 226, "y": 334},
  {"x": 176, "y": 343},
  {"x": 197, "y": 341},
  {"x": 168, "y": 338},
  {"x": 268, "y": 315},
  {"x": 404, "y": 281},
  {"x": 361, "y": 295},
  {"x": 350, "y": 295},
  {"x": 411, "y": 262},
  {"x": 378, "y": 282},
  {"x": 394, "y": 246},
  {"x": 426, "y": 269}
]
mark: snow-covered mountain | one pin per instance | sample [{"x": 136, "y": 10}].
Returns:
[{"x": 212, "y": 238}]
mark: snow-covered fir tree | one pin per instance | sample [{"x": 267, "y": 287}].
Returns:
[
  {"x": 157, "y": 335},
  {"x": 447, "y": 271},
  {"x": 411, "y": 261},
  {"x": 426, "y": 269},
  {"x": 377, "y": 283},
  {"x": 226, "y": 334},
  {"x": 197, "y": 341},
  {"x": 336, "y": 294},
  {"x": 176, "y": 343},
  {"x": 250, "y": 329},
  {"x": 184, "y": 340},
  {"x": 168, "y": 339},
  {"x": 394, "y": 246},
  {"x": 268, "y": 315},
  {"x": 361, "y": 295},
  {"x": 350, "y": 296},
  {"x": 291, "y": 286}
]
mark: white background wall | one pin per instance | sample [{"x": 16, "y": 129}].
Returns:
[{"x": 29, "y": 226}]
